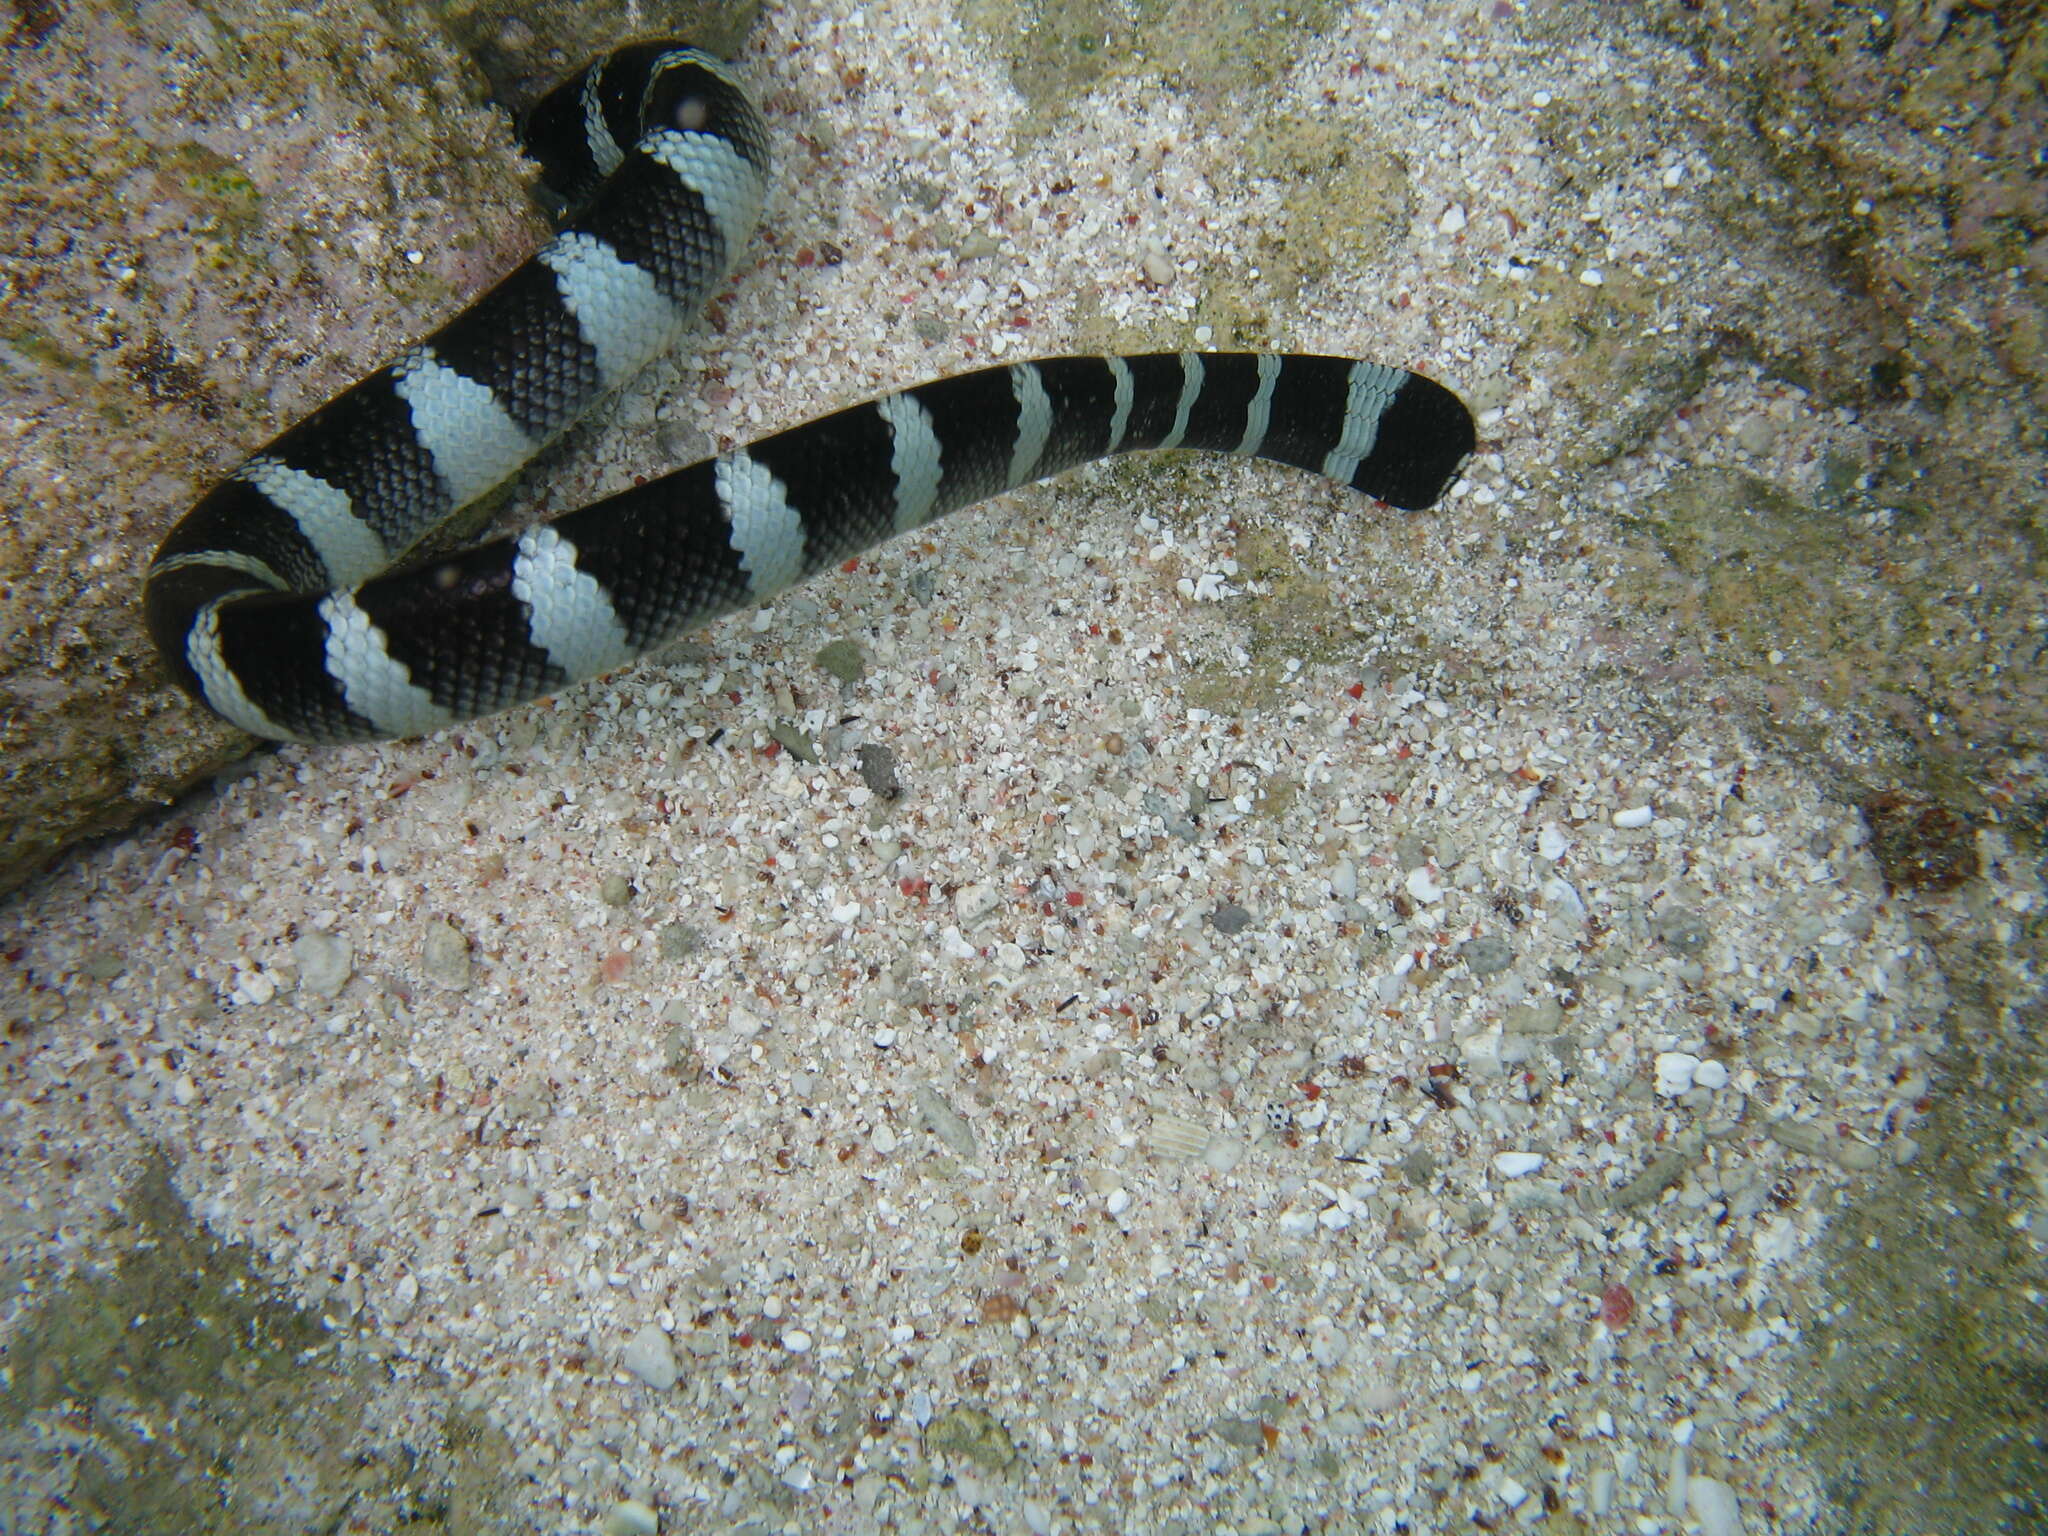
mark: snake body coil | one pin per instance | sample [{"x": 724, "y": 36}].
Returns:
[{"x": 284, "y": 599}]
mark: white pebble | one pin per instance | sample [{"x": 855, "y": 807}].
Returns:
[
  {"x": 1452, "y": 221},
  {"x": 325, "y": 962},
  {"x": 253, "y": 986},
  {"x": 1710, "y": 1075},
  {"x": 1330, "y": 1346},
  {"x": 1550, "y": 840},
  {"x": 651, "y": 1357},
  {"x": 1517, "y": 1165},
  {"x": 797, "y": 1342},
  {"x": 1600, "y": 1496},
  {"x": 630, "y": 1518},
  {"x": 1675, "y": 1481},
  {"x": 1118, "y": 1202},
  {"x": 1712, "y": 1503},
  {"x": 1423, "y": 887},
  {"x": 1675, "y": 1072},
  {"x": 1592, "y": 277},
  {"x": 1634, "y": 816},
  {"x": 1756, "y": 435},
  {"x": 883, "y": 1140},
  {"x": 971, "y": 903}
]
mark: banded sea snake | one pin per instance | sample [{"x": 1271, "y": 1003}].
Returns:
[{"x": 288, "y": 599}]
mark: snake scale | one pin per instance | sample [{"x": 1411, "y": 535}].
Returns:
[{"x": 292, "y": 599}]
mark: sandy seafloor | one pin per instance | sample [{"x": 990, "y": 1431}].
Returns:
[{"x": 1222, "y": 1091}]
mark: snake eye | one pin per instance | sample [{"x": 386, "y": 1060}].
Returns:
[{"x": 692, "y": 113}]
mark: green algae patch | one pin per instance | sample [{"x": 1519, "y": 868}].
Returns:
[
  {"x": 1056, "y": 50},
  {"x": 185, "y": 1394}
]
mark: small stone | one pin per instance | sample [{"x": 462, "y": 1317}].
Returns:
[
  {"x": 1329, "y": 1346},
  {"x": 405, "y": 1295},
  {"x": 1712, "y": 1503},
  {"x": 325, "y": 962},
  {"x": 1617, "y": 1306},
  {"x": 797, "y": 1341},
  {"x": 974, "y": 1434},
  {"x": 1856, "y": 1156},
  {"x": 616, "y": 891},
  {"x": 1543, "y": 1017},
  {"x": 971, "y": 903},
  {"x": 844, "y": 659},
  {"x": 1799, "y": 1135},
  {"x": 878, "y": 771},
  {"x": 1178, "y": 1140},
  {"x": 1682, "y": 931},
  {"x": 1710, "y": 1075},
  {"x": 943, "y": 1120},
  {"x": 1661, "y": 1173},
  {"x": 1423, "y": 886},
  {"x": 794, "y": 741},
  {"x": 1635, "y": 816},
  {"x": 1517, "y": 1165},
  {"x": 1675, "y": 1072},
  {"x": 679, "y": 941},
  {"x": 444, "y": 955},
  {"x": 1756, "y": 435},
  {"x": 631, "y": 1518},
  {"x": 1117, "y": 1202},
  {"x": 1245, "y": 1434},
  {"x": 1487, "y": 955},
  {"x": 650, "y": 1356},
  {"x": 1230, "y": 919}
]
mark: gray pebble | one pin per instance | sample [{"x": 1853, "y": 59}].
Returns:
[
  {"x": 325, "y": 963},
  {"x": 1245, "y": 1434},
  {"x": 1682, "y": 931},
  {"x": 794, "y": 741},
  {"x": 878, "y": 771},
  {"x": 924, "y": 586},
  {"x": 444, "y": 954},
  {"x": 1230, "y": 918},
  {"x": 1487, "y": 956},
  {"x": 679, "y": 941},
  {"x": 1545, "y": 1016},
  {"x": 1799, "y": 1135},
  {"x": 616, "y": 891},
  {"x": 1660, "y": 1175},
  {"x": 943, "y": 1120},
  {"x": 844, "y": 659},
  {"x": 1418, "y": 1168}
]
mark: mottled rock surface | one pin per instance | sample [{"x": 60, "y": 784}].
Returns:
[{"x": 216, "y": 218}]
